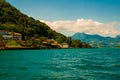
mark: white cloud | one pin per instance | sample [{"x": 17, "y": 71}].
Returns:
[{"x": 69, "y": 27}]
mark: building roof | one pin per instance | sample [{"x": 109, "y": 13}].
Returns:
[
  {"x": 3, "y": 32},
  {"x": 14, "y": 33}
]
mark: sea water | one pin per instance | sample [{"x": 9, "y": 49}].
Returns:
[{"x": 60, "y": 64}]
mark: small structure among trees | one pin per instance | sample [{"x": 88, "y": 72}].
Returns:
[{"x": 11, "y": 35}]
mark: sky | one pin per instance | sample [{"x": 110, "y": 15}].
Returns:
[{"x": 70, "y": 16}]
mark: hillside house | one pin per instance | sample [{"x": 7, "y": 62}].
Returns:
[
  {"x": 16, "y": 36},
  {"x": 11, "y": 35},
  {"x": 50, "y": 42},
  {"x": 64, "y": 45}
]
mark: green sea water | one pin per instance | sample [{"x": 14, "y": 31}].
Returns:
[{"x": 60, "y": 64}]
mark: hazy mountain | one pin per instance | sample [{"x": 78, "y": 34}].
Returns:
[{"x": 97, "y": 40}]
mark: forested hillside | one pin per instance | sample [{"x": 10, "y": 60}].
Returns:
[
  {"x": 12, "y": 19},
  {"x": 34, "y": 32}
]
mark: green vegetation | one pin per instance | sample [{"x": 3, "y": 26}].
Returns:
[
  {"x": 33, "y": 31},
  {"x": 12, "y": 19},
  {"x": 12, "y": 43}
]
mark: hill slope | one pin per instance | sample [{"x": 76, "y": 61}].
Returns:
[
  {"x": 12, "y": 19},
  {"x": 97, "y": 40},
  {"x": 33, "y": 31}
]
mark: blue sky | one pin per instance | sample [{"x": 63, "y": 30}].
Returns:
[{"x": 102, "y": 11}]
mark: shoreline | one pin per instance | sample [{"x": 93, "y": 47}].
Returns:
[
  {"x": 46, "y": 48},
  {"x": 38, "y": 48},
  {"x": 27, "y": 48}
]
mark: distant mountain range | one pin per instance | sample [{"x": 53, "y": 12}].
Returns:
[{"x": 97, "y": 40}]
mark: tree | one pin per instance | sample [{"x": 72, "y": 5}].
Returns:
[
  {"x": 76, "y": 44},
  {"x": 69, "y": 41},
  {"x": 61, "y": 39}
]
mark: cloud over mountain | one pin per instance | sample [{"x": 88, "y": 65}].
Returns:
[{"x": 69, "y": 27}]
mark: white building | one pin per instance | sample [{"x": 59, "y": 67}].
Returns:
[{"x": 11, "y": 35}]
